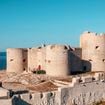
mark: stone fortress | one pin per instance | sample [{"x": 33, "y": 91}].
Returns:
[
  {"x": 60, "y": 60},
  {"x": 59, "y": 86}
]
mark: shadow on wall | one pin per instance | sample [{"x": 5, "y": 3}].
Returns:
[
  {"x": 77, "y": 65},
  {"x": 19, "y": 101}
]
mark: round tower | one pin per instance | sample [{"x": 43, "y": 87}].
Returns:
[
  {"x": 93, "y": 51},
  {"x": 57, "y": 63},
  {"x": 15, "y": 60}
]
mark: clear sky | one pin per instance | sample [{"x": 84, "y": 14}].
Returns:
[{"x": 28, "y": 23}]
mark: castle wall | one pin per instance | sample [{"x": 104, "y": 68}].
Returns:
[
  {"x": 32, "y": 59},
  {"x": 36, "y": 58},
  {"x": 15, "y": 60},
  {"x": 75, "y": 93},
  {"x": 56, "y": 60},
  {"x": 83, "y": 94},
  {"x": 57, "y": 63},
  {"x": 6, "y": 101},
  {"x": 46, "y": 98},
  {"x": 93, "y": 51},
  {"x": 41, "y": 58}
]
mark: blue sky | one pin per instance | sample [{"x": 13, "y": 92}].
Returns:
[{"x": 28, "y": 23}]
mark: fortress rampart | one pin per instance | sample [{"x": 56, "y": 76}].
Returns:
[{"x": 56, "y": 60}]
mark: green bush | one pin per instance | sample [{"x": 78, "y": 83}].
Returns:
[{"x": 40, "y": 72}]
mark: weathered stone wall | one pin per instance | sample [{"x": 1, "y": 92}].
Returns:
[
  {"x": 93, "y": 51},
  {"x": 84, "y": 93},
  {"x": 52, "y": 58},
  {"x": 56, "y": 60},
  {"x": 46, "y": 98},
  {"x": 6, "y": 102},
  {"x": 36, "y": 58},
  {"x": 41, "y": 58},
  {"x": 32, "y": 59},
  {"x": 77, "y": 92},
  {"x": 15, "y": 60}
]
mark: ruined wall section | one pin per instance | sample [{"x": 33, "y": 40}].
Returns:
[
  {"x": 93, "y": 51},
  {"x": 15, "y": 58},
  {"x": 57, "y": 63}
]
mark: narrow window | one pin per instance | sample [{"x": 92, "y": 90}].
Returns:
[
  {"x": 11, "y": 59},
  {"x": 24, "y": 69},
  {"x": 103, "y": 60},
  {"x": 51, "y": 94},
  {"x": 24, "y": 60},
  {"x": 41, "y": 95},
  {"x": 65, "y": 47},
  {"x": 90, "y": 60},
  {"x": 97, "y": 47},
  {"x": 30, "y": 96},
  {"x": 39, "y": 67}
]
